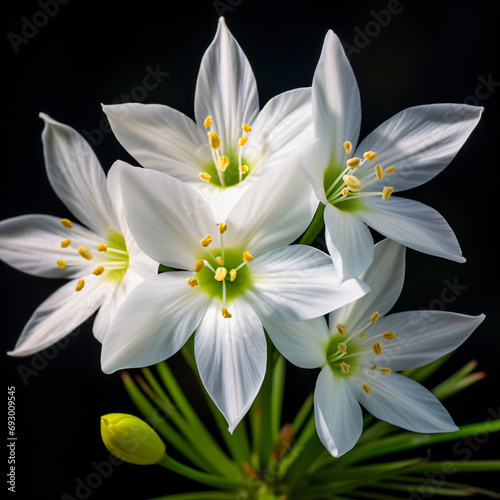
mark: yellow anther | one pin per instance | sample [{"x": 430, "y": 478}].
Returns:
[
  {"x": 345, "y": 191},
  {"x": 353, "y": 182},
  {"x": 386, "y": 371},
  {"x": 377, "y": 348},
  {"x": 386, "y": 193},
  {"x": 192, "y": 282},
  {"x": 66, "y": 243},
  {"x": 373, "y": 367},
  {"x": 379, "y": 171},
  {"x": 353, "y": 162},
  {"x": 67, "y": 223},
  {"x": 247, "y": 256},
  {"x": 232, "y": 275},
  {"x": 98, "y": 270},
  {"x": 214, "y": 140},
  {"x": 243, "y": 169},
  {"x": 80, "y": 285},
  {"x": 208, "y": 122},
  {"x": 61, "y": 264},
  {"x": 363, "y": 335},
  {"x": 370, "y": 155},
  {"x": 226, "y": 313},
  {"x": 102, "y": 247},
  {"x": 366, "y": 388},
  {"x": 390, "y": 170},
  {"x": 246, "y": 128},
  {"x": 375, "y": 316},
  {"x": 206, "y": 241},
  {"x": 242, "y": 140},
  {"x": 389, "y": 335},
  {"x": 200, "y": 264},
  {"x": 348, "y": 146},
  {"x": 222, "y": 228},
  {"x": 84, "y": 252},
  {"x": 205, "y": 177},
  {"x": 219, "y": 261},
  {"x": 222, "y": 163},
  {"x": 220, "y": 273},
  {"x": 344, "y": 367},
  {"x": 341, "y": 329},
  {"x": 342, "y": 347}
]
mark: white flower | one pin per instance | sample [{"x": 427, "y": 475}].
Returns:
[
  {"x": 103, "y": 262},
  {"x": 360, "y": 351},
  {"x": 231, "y": 277},
  {"x": 228, "y": 128},
  {"x": 356, "y": 183}
]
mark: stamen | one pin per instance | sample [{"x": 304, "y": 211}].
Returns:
[
  {"x": 386, "y": 371},
  {"x": 377, "y": 348},
  {"x": 363, "y": 335},
  {"x": 247, "y": 256},
  {"x": 389, "y": 335},
  {"x": 205, "y": 177},
  {"x": 344, "y": 367},
  {"x": 390, "y": 170},
  {"x": 226, "y": 313},
  {"x": 206, "y": 241},
  {"x": 353, "y": 162},
  {"x": 348, "y": 146},
  {"x": 375, "y": 316},
  {"x": 373, "y": 367},
  {"x": 222, "y": 163},
  {"x": 219, "y": 261},
  {"x": 246, "y": 128},
  {"x": 366, "y": 388},
  {"x": 214, "y": 140},
  {"x": 386, "y": 193},
  {"x": 208, "y": 122},
  {"x": 84, "y": 252},
  {"x": 220, "y": 273},
  {"x": 379, "y": 171},
  {"x": 67, "y": 223},
  {"x": 98, "y": 270},
  {"x": 370, "y": 155},
  {"x": 80, "y": 285},
  {"x": 345, "y": 191},
  {"x": 342, "y": 348},
  {"x": 200, "y": 264},
  {"x": 61, "y": 264},
  {"x": 102, "y": 247},
  {"x": 243, "y": 169},
  {"x": 192, "y": 282},
  {"x": 242, "y": 141},
  {"x": 65, "y": 243},
  {"x": 353, "y": 182},
  {"x": 232, "y": 275},
  {"x": 222, "y": 228},
  {"x": 341, "y": 329}
]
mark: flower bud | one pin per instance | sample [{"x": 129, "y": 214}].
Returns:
[{"x": 130, "y": 439}]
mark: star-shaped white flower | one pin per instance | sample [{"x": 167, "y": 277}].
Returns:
[
  {"x": 231, "y": 144},
  {"x": 359, "y": 352},
  {"x": 356, "y": 183},
  {"x": 102, "y": 262},
  {"x": 231, "y": 277}
]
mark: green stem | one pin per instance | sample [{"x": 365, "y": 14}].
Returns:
[
  {"x": 315, "y": 227},
  {"x": 200, "y": 495}
]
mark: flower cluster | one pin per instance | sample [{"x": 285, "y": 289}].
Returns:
[{"x": 212, "y": 237}]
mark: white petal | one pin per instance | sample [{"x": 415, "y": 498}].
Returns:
[
  {"x": 385, "y": 277},
  {"x": 336, "y": 102},
  {"x": 226, "y": 88},
  {"x": 167, "y": 217},
  {"x": 273, "y": 212},
  {"x": 282, "y": 128},
  {"x": 349, "y": 242},
  {"x": 32, "y": 244},
  {"x": 76, "y": 176},
  {"x": 422, "y": 336},
  {"x": 303, "y": 343},
  {"x": 161, "y": 138},
  {"x": 296, "y": 283},
  {"x": 231, "y": 358},
  {"x": 154, "y": 322},
  {"x": 313, "y": 166},
  {"x": 338, "y": 416},
  {"x": 403, "y": 402},
  {"x": 61, "y": 313},
  {"x": 412, "y": 224},
  {"x": 420, "y": 142}
]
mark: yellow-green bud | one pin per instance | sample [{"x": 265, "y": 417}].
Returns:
[{"x": 131, "y": 439}]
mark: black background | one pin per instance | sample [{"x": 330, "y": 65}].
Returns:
[{"x": 97, "y": 52}]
